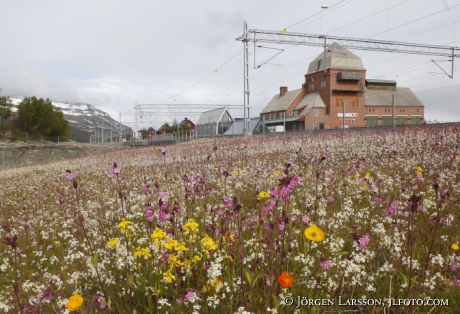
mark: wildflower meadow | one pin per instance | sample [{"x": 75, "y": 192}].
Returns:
[{"x": 324, "y": 223}]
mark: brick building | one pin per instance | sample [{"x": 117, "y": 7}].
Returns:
[{"x": 319, "y": 104}]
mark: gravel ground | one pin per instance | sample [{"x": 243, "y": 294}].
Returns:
[{"x": 20, "y": 154}]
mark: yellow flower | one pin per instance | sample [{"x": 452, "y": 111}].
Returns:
[
  {"x": 228, "y": 238},
  {"x": 264, "y": 194},
  {"x": 368, "y": 175},
  {"x": 454, "y": 247},
  {"x": 191, "y": 227},
  {"x": 235, "y": 172},
  {"x": 168, "y": 276},
  {"x": 364, "y": 185},
  {"x": 206, "y": 289},
  {"x": 418, "y": 169},
  {"x": 314, "y": 233},
  {"x": 196, "y": 259},
  {"x": 208, "y": 244},
  {"x": 124, "y": 224},
  {"x": 172, "y": 244},
  {"x": 74, "y": 302},
  {"x": 113, "y": 242},
  {"x": 357, "y": 176},
  {"x": 158, "y": 234},
  {"x": 142, "y": 252}
]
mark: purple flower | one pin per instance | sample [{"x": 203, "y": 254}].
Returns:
[
  {"x": 99, "y": 301},
  {"x": 454, "y": 266},
  {"x": 227, "y": 201},
  {"x": 162, "y": 196},
  {"x": 145, "y": 189},
  {"x": 363, "y": 241},
  {"x": 456, "y": 280},
  {"x": 69, "y": 175},
  {"x": 325, "y": 265},
  {"x": 163, "y": 150},
  {"x": 47, "y": 294},
  {"x": 281, "y": 225},
  {"x": 163, "y": 217},
  {"x": 392, "y": 210}
]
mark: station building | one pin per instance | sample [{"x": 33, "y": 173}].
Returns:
[{"x": 336, "y": 78}]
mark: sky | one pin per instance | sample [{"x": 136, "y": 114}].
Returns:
[{"x": 114, "y": 54}]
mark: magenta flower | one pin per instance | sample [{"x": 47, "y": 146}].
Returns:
[
  {"x": 363, "y": 241},
  {"x": 326, "y": 265},
  {"x": 69, "y": 175},
  {"x": 454, "y": 266},
  {"x": 282, "y": 225},
  {"x": 456, "y": 280}
]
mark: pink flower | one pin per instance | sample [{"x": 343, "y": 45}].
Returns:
[
  {"x": 454, "y": 266},
  {"x": 305, "y": 219},
  {"x": 282, "y": 225},
  {"x": 326, "y": 265},
  {"x": 227, "y": 201},
  {"x": 363, "y": 241},
  {"x": 163, "y": 217},
  {"x": 69, "y": 175},
  {"x": 162, "y": 196},
  {"x": 456, "y": 280}
]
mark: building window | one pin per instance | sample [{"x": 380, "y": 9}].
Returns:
[
  {"x": 352, "y": 121},
  {"x": 371, "y": 109},
  {"x": 270, "y": 116},
  {"x": 295, "y": 127},
  {"x": 312, "y": 86},
  {"x": 360, "y": 86},
  {"x": 323, "y": 76},
  {"x": 316, "y": 127},
  {"x": 327, "y": 126},
  {"x": 418, "y": 110},
  {"x": 323, "y": 84},
  {"x": 339, "y": 101},
  {"x": 295, "y": 113},
  {"x": 311, "y": 79},
  {"x": 316, "y": 113},
  {"x": 355, "y": 101}
]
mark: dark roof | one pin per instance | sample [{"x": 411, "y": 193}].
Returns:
[{"x": 183, "y": 122}]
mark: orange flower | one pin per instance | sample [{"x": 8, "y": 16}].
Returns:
[{"x": 285, "y": 280}]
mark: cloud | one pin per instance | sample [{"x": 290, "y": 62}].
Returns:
[
  {"x": 218, "y": 28},
  {"x": 30, "y": 80}
]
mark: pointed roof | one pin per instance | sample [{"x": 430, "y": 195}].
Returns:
[
  {"x": 309, "y": 101},
  {"x": 212, "y": 116},
  {"x": 337, "y": 57},
  {"x": 280, "y": 103}
]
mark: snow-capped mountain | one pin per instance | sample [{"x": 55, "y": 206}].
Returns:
[{"x": 85, "y": 117}]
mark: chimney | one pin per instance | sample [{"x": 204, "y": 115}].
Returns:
[{"x": 283, "y": 90}]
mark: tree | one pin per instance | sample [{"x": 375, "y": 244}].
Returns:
[
  {"x": 171, "y": 128},
  {"x": 6, "y": 106},
  {"x": 37, "y": 115}
]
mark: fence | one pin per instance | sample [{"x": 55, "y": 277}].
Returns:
[{"x": 15, "y": 136}]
